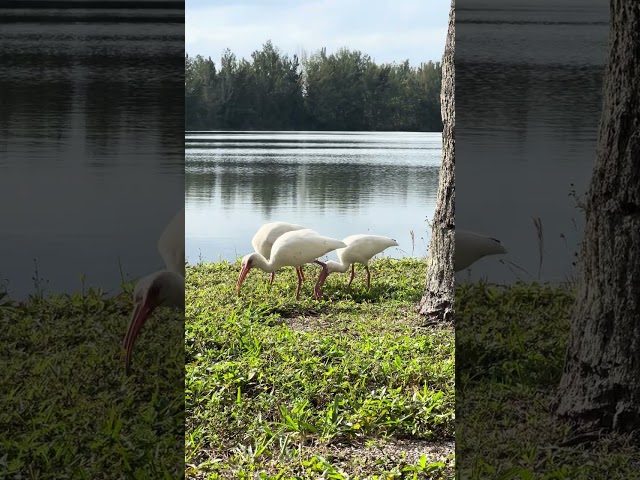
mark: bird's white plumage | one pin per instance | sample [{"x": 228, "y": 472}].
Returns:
[
  {"x": 160, "y": 289},
  {"x": 171, "y": 244},
  {"x": 268, "y": 233},
  {"x": 169, "y": 286},
  {"x": 301, "y": 246},
  {"x": 471, "y": 247},
  {"x": 362, "y": 248},
  {"x": 291, "y": 249},
  {"x": 359, "y": 248}
]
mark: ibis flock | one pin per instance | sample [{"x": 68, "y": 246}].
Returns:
[
  {"x": 281, "y": 244},
  {"x": 277, "y": 245}
]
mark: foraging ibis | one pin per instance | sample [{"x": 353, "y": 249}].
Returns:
[
  {"x": 164, "y": 288},
  {"x": 267, "y": 234},
  {"x": 359, "y": 249},
  {"x": 471, "y": 247},
  {"x": 291, "y": 249},
  {"x": 171, "y": 244}
]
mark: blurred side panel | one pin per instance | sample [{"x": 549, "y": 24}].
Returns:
[
  {"x": 528, "y": 102},
  {"x": 91, "y": 173}
]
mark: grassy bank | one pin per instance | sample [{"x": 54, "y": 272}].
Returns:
[
  {"x": 345, "y": 388},
  {"x": 511, "y": 344},
  {"x": 66, "y": 408}
]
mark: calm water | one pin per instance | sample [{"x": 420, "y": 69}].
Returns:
[
  {"x": 91, "y": 148},
  {"x": 336, "y": 183},
  {"x": 528, "y": 100}
]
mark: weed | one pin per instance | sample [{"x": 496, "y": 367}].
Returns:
[
  {"x": 277, "y": 388},
  {"x": 68, "y": 410},
  {"x": 511, "y": 344}
]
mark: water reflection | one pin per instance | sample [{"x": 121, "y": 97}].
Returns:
[
  {"x": 338, "y": 183},
  {"x": 527, "y": 120},
  {"x": 92, "y": 155}
]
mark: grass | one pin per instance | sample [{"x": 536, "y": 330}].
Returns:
[
  {"x": 66, "y": 408},
  {"x": 511, "y": 345},
  {"x": 346, "y": 388}
]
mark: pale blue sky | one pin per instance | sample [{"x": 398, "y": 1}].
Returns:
[{"x": 388, "y": 30}]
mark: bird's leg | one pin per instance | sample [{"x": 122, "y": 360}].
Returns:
[
  {"x": 299, "y": 284},
  {"x": 353, "y": 274},
  {"x": 321, "y": 279},
  {"x": 366, "y": 267},
  {"x": 300, "y": 272},
  {"x": 273, "y": 275}
]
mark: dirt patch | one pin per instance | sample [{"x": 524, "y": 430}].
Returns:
[
  {"x": 310, "y": 323},
  {"x": 357, "y": 460},
  {"x": 383, "y": 454},
  {"x": 385, "y": 321}
]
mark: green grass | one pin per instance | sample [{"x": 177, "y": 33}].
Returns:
[
  {"x": 345, "y": 388},
  {"x": 348, "y": 387},
  {"x": 66, "y": 408},
  {"x": 511, "y": 345}
]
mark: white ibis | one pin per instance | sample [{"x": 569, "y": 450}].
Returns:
[
  {"x": 291, "y": 249},
  {"x": 471, "y": 247},
  {"x": 267, "y": 234},
  {"x": 164, "y": 288},
  {"x": 359, "y": 249}
]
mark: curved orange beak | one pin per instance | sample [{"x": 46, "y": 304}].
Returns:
[
  {"x": 243, "y": 274},
  {"x": 140, "y": 314}
]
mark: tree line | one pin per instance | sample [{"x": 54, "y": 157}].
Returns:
[{"x": 342, "y": 91}]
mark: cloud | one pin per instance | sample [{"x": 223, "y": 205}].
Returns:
[{"x": 387, "y": 30}]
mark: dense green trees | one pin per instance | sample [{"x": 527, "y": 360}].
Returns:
[{"x": 344, "y": 91}]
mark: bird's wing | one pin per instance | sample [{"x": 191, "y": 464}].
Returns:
[
  {"x": 274, "y": 233},
  {"x": 288, "y": 237},
  {"x": 302, "y": 246},
  {"x": 471, "y": 247},
  {"x": 268, "y": 233},
  {"x": 360, "y": 248},
  {"x": 261, "y": 235},
  {"x": 171, "y": 244},
  {"x": 354, "y": 238}
]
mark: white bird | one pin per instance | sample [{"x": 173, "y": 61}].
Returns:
[
  {"x": 291, "y": 249},
  {"x": 171, "y": 244},
  {"x": 359, "y": 249},
  {"x": 471, "y": 247},
  {"x": 267, "y": 234},
  {"x": 164, "y": 288}
]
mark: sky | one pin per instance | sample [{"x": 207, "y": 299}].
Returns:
[{"x": 387, "y": 30}]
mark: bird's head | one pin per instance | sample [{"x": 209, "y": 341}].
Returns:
[
  {"x": 248, "y": 261},
  {"x": 333, "y": 266},
  {"x": 495, "y": 247},
  {"x": 160, "y": 289},
  {"x": 327, "y": 268}
]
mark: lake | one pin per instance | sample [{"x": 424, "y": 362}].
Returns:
[
  {"x": 86, "y": 185},
  {"x": 528, "y": 101},
  {"x": 75, "y": 157},
  {"x": 337, "y": 183}
]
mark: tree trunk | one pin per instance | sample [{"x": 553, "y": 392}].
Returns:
[
  {"x": 437, "y": 300},
  {"x": 599, "y": 387}
]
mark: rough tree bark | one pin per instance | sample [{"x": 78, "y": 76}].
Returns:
[
  {"x": 437, "y": 301},
  {"x": 599, "y": 386}
]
